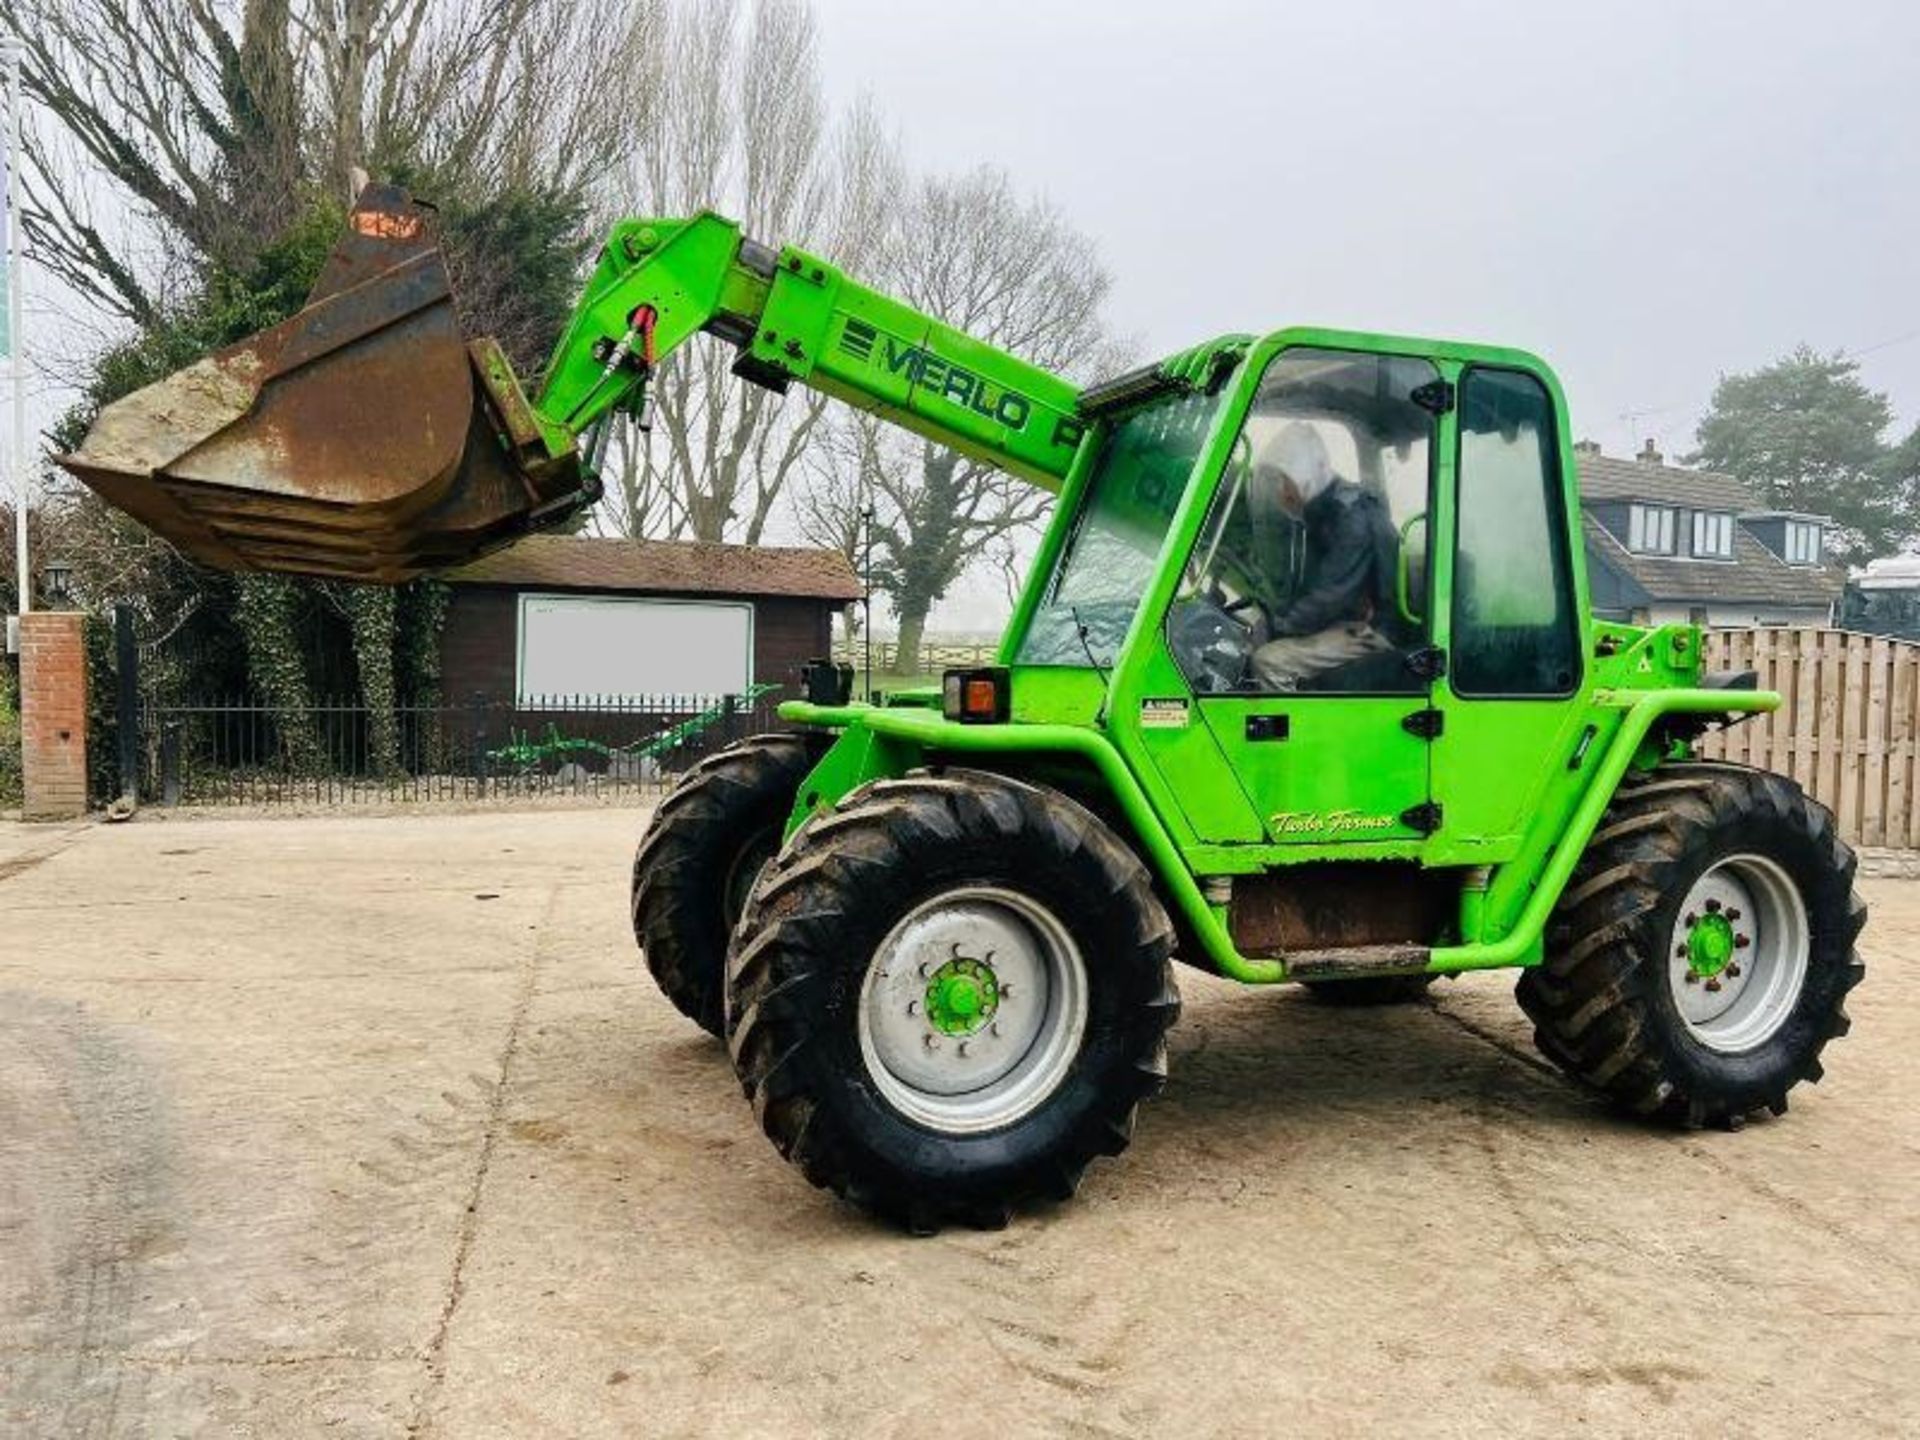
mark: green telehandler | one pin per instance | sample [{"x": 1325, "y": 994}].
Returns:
[{"x": 1303, "y": 687}]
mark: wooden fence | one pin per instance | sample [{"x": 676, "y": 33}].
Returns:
[
  {"x": 935, "y": 655},
  {"x": 1846, "y": 729}
]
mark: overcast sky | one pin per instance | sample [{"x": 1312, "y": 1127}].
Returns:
[{"x": 1646, "y": 194}]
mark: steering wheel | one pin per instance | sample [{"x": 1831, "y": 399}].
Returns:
[{"x": 1211, "y": 646}]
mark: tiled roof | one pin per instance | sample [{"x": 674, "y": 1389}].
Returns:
[
  {"x": 664, "y": 567},
  {"x": 1755, "y": 574},
  {"x": 1604, "y": 478}
]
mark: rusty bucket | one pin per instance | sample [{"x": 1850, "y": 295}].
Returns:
[{"x": 363, "y": 439}]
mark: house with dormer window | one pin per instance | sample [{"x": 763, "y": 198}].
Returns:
[{"x": 1665, "y": 543}]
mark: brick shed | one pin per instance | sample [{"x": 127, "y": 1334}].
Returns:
[{"x": 569, "y": 615}]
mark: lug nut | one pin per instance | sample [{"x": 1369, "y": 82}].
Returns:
[
  {"x": 1732, "y": 914},
  {"x": 1714, "y": 984},
  {"x": 1741, "y": 942},
  {"x": 1692, "y": 979},
  {"x": 1693, "y": 918},
  {"x": 1680, "y": 952},
  {"x": 963, "y": 1049},
  {"x": 913, "y": 1007},
  {"x": 933, "y": 1042},
  {"x": 994, "y": 1029},
  {"x": 1733, "y": 972},
  {"x": 1713, "y": 907}
]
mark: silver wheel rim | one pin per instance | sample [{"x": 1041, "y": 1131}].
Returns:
[
  {"x": 1737, "y": 960},
  {"x": 964, "y": 1072}
]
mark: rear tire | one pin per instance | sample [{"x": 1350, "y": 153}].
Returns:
[
  {"x": 861, "y": 1073},
  {"x": 698, "y": 860},
  {"x": 1367, "y": 990},
  {"x": 1734, "y": 878}
]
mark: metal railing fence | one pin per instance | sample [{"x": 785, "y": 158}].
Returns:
[{"x": 240, "y": 751}]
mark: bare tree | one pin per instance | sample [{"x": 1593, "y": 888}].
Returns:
[
  {"x": 739, "y": 124},
  {"x": 190, "y": 132},
  {"x": 641, "y": 501},
  {"x": 178, "y": 139},
  {"x": 1014, "y": 273}
]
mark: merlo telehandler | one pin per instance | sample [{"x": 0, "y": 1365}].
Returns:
[{"x": 936, "y": 932}]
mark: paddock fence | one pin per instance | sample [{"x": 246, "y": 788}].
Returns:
[{"x": 1847, "y": 727}]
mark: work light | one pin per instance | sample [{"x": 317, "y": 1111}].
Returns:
[{"x": 975, "y": 697}]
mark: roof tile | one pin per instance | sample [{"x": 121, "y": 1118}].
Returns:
[
  {"x": 1604, "y": 478},
  {"x": 1756, "y": 574},
  {"x": 664, "y": 567}
]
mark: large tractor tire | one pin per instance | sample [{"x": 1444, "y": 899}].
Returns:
[
  {"x": 698, "y": 860},
  {"x": 950, "y": 995},
  {"x": 1369, "y": 990},
  {"x": 1700, "y": 959}
]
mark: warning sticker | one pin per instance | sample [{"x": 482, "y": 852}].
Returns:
[{"x": 1163, "y": 714}]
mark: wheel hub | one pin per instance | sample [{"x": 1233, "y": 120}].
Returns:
[
  {"x": 1710, "y": 944},
  {"x": 962, "y": 995}
]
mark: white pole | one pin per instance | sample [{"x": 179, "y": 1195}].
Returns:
[{"x": 16, "y": 326}]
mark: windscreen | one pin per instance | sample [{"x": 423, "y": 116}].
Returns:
[{"x": 1108, "y": 561}]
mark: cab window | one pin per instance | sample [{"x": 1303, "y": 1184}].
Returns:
[
  {"x": 1310, "y": 573},
  {"x": 1515, "y": 631},
  {"x": 1107, "y": 563}
]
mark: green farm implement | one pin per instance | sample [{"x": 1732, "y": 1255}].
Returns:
[
  {"x": 1303, "y": 687},
  {"x": 523, "y": 754}
]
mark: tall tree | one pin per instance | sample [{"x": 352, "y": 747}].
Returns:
[
  {"x": 731, "y": 116},
  {"x": 185, "y": 134},
  {"x": 224, "y": 138},
  {"x": 1806, "y": 434},
  {"x": 1013, "y": 272}
]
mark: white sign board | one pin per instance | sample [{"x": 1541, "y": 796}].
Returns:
[{"x": 621, "y": 649}]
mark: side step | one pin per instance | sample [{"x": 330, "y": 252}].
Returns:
[{"x": 1353, "y": 961}]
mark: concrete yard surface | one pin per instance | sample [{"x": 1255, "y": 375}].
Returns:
[{"x": 376, "y": 1127}]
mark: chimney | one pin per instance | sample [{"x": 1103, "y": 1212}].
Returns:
[
  {"x": 1649, "y": 454},
  {"x": 1586, "y": 447}
]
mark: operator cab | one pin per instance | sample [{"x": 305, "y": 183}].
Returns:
[
  {"x": 1304, "y": 580},
  {"x": 1319, "y": 591}
]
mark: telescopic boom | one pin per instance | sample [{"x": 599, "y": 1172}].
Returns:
[{"x": 366, "y": 438}]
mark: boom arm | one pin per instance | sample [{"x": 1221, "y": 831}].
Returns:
[
  {"x": 367, "y": 438},
  {"x": 795, "y": 317}
]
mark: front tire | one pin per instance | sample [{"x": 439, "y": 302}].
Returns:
[
  {"x": 697, "y": 862},
  {"x": 950, "y": 995},
  {"x": 1700, "y": 959}
]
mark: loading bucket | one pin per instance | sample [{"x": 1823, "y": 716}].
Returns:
[{"x": 363, "y": 439}]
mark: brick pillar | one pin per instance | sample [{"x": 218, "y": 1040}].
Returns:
[{"x": 53, "y": 714}]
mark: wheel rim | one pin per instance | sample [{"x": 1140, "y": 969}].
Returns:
[
  {"x": 973, "y": 1009},
  {"x": 1738, "y": 958}
]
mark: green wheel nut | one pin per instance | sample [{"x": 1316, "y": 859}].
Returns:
[{"x": 962, "y": 996}]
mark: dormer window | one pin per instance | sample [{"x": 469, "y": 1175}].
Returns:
[
  {"x": 1712, "y": 535},
  {"x": 1803, "y": 542},
  {"x": 1650, "y": 529}
]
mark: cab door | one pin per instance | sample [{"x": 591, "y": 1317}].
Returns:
[
  {"x": 1513, "y": 700},
  {"x": 1301, "y": 627}
]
